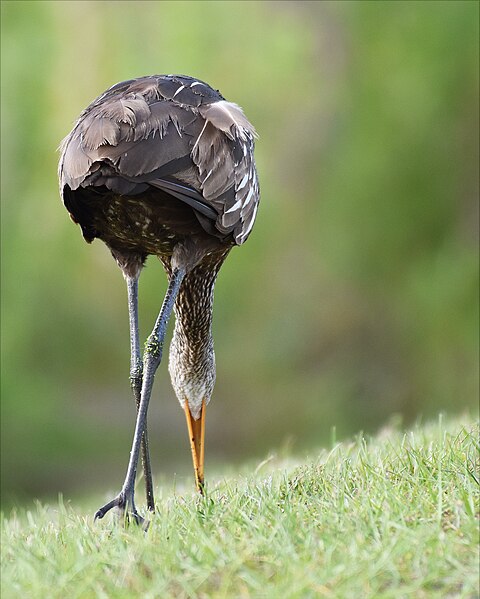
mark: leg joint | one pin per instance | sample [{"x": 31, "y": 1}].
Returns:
[{"x": 136, "y": 373}]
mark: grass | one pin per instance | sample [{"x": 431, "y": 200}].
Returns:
[{"x": 392, "y": 516}]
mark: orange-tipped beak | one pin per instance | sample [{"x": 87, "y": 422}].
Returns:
[{"x": 196, "y": 433}]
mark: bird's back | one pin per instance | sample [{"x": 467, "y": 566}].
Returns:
[{"x": 157, "y": 159}]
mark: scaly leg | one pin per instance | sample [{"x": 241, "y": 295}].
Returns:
[
  {"x": 136, "y": 375},
  {"x": 124, "y": 501}
]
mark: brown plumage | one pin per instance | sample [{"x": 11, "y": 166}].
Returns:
[{"x": 164, "y": 165}]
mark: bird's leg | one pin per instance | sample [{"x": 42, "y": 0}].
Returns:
[
  {"x": 136, "y": 375},
  {"x": 152, "y": 358},
  {"x": 196, "y": 433}
]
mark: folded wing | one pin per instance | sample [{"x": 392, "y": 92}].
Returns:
[{"x": 175, "y": 134}]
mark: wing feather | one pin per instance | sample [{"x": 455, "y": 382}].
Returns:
[{"x": 144, "y": 130}]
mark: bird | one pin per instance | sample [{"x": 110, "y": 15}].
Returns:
[{"x": 164, "y": 165}]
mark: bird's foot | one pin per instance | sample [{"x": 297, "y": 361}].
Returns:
[{"x": 126, "y": 509}]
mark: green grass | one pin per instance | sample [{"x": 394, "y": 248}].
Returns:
[{"x": 392, "y": 516}]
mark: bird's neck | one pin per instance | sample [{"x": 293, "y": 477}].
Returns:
[
  {"x": 192, "y": 359},
  {"x": 193, "y": 312}
]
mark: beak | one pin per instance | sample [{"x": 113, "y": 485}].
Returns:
[{"x": 196, "y": 433}]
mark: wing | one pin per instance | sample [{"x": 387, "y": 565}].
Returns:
[{"x": 174, "y": 133}]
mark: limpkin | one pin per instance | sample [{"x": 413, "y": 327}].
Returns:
[{"x": 163, "y": 165}]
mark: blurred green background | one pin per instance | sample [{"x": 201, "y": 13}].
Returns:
[{"x": 354, "y": 300}]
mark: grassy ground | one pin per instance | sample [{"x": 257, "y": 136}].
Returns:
[{"x": 393, "y": 516}]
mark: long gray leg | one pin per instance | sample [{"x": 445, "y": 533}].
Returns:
[
  {"x": 152, "y": 358},
  {"x": 136, "y": 375}
]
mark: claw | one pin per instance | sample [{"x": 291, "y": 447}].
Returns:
[{"x": 126, "y": 509}]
